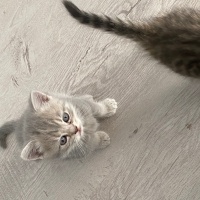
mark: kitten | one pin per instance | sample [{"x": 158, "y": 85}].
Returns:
[
  {"x": 60, "y": 126},
  {"x": 173, "y": 39}
]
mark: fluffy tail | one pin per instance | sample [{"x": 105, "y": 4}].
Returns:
[
  {"x": 104, "y": 22},
  {"x": 6, "y": 130}
]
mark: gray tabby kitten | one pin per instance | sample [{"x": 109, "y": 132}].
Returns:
[
  {"x": 60, "y": 126},
  {"x": 173, "y": 39}
]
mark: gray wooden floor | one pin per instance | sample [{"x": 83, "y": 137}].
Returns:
[{"x": 155, "y": 135}]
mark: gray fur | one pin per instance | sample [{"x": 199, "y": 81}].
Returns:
[
  {"x": 173, "y": 39},
  {"x": 41, "y": 126}
]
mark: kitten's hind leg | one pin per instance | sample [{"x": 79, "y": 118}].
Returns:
[
  {"x": 105, "y": 108},
  {"x": 103, "y": 139}
]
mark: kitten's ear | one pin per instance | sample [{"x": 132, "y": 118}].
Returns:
[
  {"x": 32, "y": 151},
  {"x": 39, "y": 99}
]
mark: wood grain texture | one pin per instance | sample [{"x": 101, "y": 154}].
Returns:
[{"x": 155, "y": 135}]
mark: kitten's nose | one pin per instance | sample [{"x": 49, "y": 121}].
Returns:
[
  {"x": 73, "y": 129},
  {"x": 76, "y": 129}
]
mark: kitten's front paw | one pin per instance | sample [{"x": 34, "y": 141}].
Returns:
[
  {"x": 104, "y": 139},
  {"x": 111, "y": 106}
]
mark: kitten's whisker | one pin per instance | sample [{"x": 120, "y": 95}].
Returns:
[{"x": 80, "y": 148}]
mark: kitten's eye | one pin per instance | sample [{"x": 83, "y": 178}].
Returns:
[
  {"x": 65, "y": 117},
  {"x": 63, "y": 140}
]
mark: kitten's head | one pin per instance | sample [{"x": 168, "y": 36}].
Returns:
[{"x": 55, "y": 127}]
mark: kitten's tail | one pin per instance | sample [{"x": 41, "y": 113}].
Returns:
[
  {"x": 6, "y": 130},
  {"x": 118, "y": 27}
]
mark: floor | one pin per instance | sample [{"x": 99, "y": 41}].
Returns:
[{"x": 155, "y": 135}]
